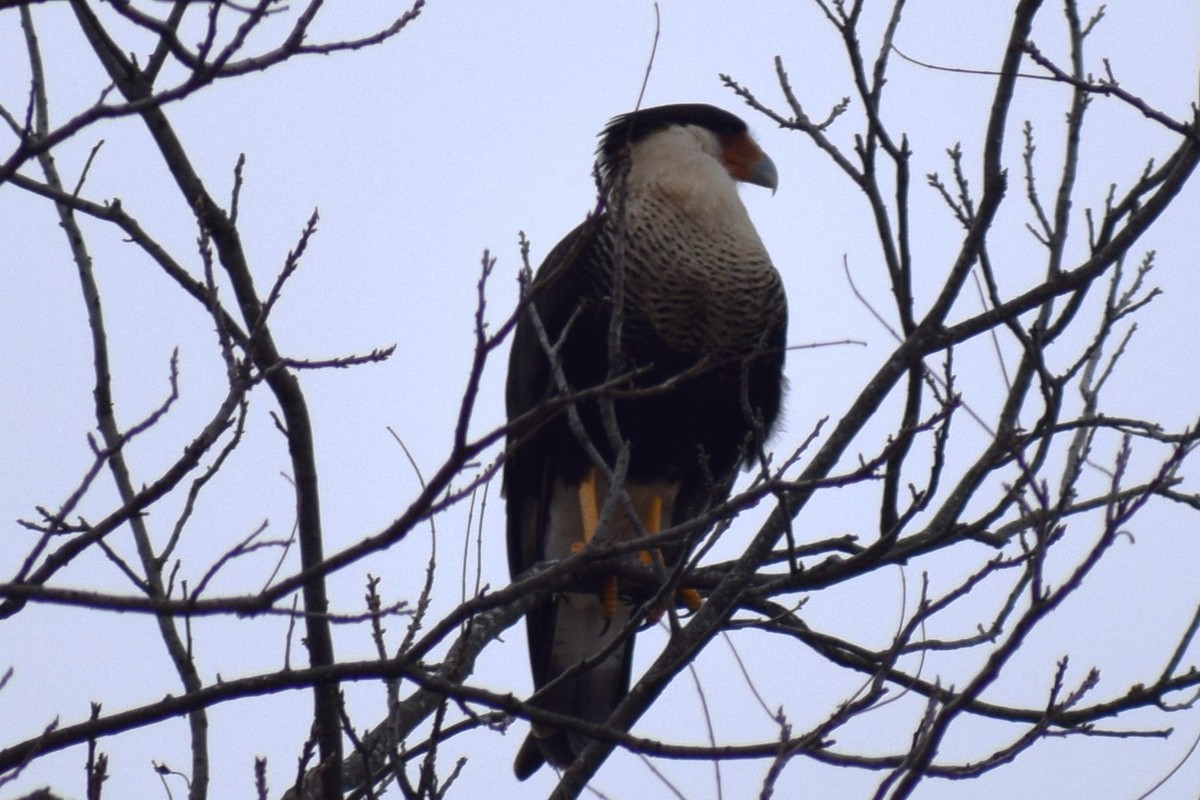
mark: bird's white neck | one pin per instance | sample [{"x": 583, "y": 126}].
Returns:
[{"x": 682, "y": 164}]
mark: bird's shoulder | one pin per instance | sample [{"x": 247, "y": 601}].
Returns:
[{"x": 579, "y": 257}]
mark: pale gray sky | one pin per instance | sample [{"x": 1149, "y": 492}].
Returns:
[{"x": 476, "y": 123}]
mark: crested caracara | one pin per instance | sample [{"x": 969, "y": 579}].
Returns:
[{"x": 694, "y": 389}]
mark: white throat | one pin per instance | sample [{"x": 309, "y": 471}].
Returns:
[{"x": 683, "y": 164}]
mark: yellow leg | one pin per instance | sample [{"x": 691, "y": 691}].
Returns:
[
  {"x": 653, "y": 525},
  {"x": 687, "y": 597},
  {"x": 589, "y": 519},
  {"x": 589, "y": 513},
  {"x": 608, "y": 597},
  {"x": 654, "y": 515}
]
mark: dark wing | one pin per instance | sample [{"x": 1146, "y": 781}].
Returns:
[
  {"x": 543, "y": 465},
  {"x": 560, "y": 289}
]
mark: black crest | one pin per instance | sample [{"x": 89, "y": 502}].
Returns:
[{"x": 637, "y": 125}]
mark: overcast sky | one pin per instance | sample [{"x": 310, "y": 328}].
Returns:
[{"x": 476, "y": 123}]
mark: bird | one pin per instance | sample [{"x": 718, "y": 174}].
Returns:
[{"x": 693, "y": 382}]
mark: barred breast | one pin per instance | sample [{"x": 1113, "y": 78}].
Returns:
[{"x": 705, "y": 286}]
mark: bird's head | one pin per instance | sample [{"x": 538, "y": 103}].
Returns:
[{"x": 665, "y": 139}]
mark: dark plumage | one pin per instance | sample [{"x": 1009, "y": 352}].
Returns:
[{"x": 701, "y": 299}]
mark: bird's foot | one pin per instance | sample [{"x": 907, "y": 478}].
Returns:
[
  {"x": 589, "y": 512},
  {"x": 687, "y": 597}
]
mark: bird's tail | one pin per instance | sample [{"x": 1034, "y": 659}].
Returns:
[{"x": 583, "y": 632}]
